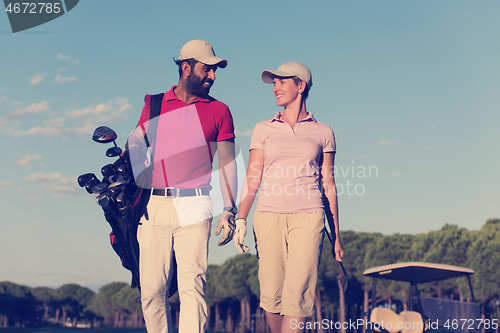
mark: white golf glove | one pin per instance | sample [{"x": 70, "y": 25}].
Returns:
[
  {"x": 226, "y": 221},
  {"x": 239, "y": 235}
]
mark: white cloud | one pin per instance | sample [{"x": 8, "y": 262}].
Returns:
[
  {"x": 50, "y": 128},
  {"x": 5, "y": 183},
  {"x": 67, "y": 58},
  {"x": 55, "y": 182},
  {"x": 69, "y": 125},
  {"x": 384, "y": 143},
  {"x": 100, "y": 109},
  {"x": 245, "y": 133},
  {"x": 434, "y": 126},
  {"x": 112, "y": 110},
  {"x": 396, "y": 174},
  {"x": 37, "y": 78},
  {"x": 34, "y": 108},
  {"x": 27, "y": 159},
  {"x": 429, "y": 147},
  {"x": 65, "y": 79}
]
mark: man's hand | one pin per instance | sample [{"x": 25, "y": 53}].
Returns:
[
  {"x": 226, "y": 221},
  {"x": 239, "y": 235}
]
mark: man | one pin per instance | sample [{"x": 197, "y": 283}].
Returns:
[{"x": 183, "y": 140}]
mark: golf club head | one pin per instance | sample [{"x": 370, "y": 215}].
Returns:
[
  {"x": 115, "y": 189},
  {"x": 113, "y": 152},
  {"x": 118, "y": 162},
  {"x": 117, "y": 181},
  {"x": 345, "y": 285},
  {"x": 121, "y": 201},
  {"x": 84, "y": 179},
  {"x": 123, "y": 170},
  {"x": 111, "y": 179},
  {"x": 104, "y": 200},
  {"x": 118, "y": 192},
  {"x": 99, "y": 188},
  {"x": 108, "y": 170},
  {"x": 104, "y": 134},
  {"x": 120, "y": 198},
  {"x": 91, "y": 184}
]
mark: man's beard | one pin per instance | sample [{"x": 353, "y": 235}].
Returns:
[{"x": 195, "y": 86}]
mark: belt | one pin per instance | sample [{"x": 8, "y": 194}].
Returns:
[{"x": 180, "y": 192}]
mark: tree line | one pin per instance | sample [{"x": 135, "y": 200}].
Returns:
[{"x": 233, "y": 287}]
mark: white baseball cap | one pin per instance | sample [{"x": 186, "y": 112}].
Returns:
[
  {"x": 203, "y": 52},
  {"x": 289, "y": 69}
]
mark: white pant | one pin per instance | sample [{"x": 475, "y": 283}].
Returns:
[{"x": 158, "y": 237}]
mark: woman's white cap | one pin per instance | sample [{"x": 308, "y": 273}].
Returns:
[
  {"x": 289, "y": 69},
  {"x": 203, "y": 52}
]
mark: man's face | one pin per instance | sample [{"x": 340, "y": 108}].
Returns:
[{"x": 201, "y": 79}]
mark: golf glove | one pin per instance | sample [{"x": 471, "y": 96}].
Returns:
[
  {"x": 226, "y": 221},
  {"x": 239, "y": 235}
]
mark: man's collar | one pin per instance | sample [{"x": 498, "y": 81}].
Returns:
[
  {"x": 170, "y": 96},
  {"x": 279, "y": 114}
]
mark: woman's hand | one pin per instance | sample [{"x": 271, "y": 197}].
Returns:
[{"x": 338, "y": 250}]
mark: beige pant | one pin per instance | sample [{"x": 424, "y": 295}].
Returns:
[
  {"x": 157, "y": 237},
  {"x": 289, "y": 248}
]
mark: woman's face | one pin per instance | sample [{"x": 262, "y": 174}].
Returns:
[{"x": 285, "y": 91}]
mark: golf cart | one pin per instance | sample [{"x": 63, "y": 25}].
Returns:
[{"x": 423, "y": 314}]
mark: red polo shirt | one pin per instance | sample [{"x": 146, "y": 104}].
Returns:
[{"x": 186, "y": 138}]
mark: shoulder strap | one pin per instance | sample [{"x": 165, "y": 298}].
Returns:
[
  {"x": 155, "y": 105},
  {"x": 154, "y": 111}
]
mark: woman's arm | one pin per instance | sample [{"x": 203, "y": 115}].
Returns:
[
  {"x": 331, "y": 203},
  {"x": 248, "y": 193},
  {"x": 252, "y": 182}
]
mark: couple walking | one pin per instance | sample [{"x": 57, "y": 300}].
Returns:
[{"x": 289, "y": 218}]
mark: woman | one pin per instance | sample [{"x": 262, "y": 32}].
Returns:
[{"x": 291, "y": 157}]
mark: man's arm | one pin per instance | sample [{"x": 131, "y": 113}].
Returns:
[
  {"x": 229, "y": 188},
  {"x": 227, "y": 172}
]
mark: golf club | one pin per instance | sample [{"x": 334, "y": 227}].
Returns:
[
  {"x": 99, "y": 188},
  {"x": 345, "y": 285},
  {"x": 84, "y": 179},
  {"x": 104, "y": 134},
  {"x": 123, "y": 169},
  {"x": 104, "y": 200},
  {"x": 91, "y": 184},
  {"x": 108, "y": 170},
  {"x": 117, "y": 181},
  {"x": 113, "y": 152}
]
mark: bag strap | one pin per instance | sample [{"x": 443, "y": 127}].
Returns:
[{"x": 154, "y": 111}]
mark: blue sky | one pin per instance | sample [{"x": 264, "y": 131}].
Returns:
[{"x": 411, "y": 89}]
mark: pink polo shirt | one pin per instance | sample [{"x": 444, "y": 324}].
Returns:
[
  {"x": 186, "y": 138},
  {"x": 292, "y": 164}
]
